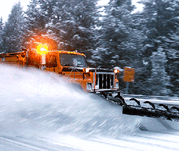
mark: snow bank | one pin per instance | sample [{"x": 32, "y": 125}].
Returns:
[{"x": 34, "y": 102}]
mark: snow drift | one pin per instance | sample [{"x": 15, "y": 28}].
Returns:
[{"x": 33, "y": 102}]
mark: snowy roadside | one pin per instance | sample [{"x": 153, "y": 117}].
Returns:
[{"x": 39, "y": 111}]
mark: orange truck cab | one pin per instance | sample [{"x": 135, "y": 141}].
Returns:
[{"x": 69, "y": 64}]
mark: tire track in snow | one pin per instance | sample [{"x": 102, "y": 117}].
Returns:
[
  {"x": 31, "y": 145},
  {"x": 143, "y": 141},
  {"x": 20, "y": 144}
]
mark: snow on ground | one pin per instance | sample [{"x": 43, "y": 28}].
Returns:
[
  {"x": 41, "y": 111},
  {"x": 31, "y": 100}
]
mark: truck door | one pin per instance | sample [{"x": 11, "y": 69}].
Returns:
[{"x": 51, "y": 62}]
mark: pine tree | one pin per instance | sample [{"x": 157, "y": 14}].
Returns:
[
  {"x": 14, "y": 29},
  {"x": 160, "y": 18},
  {"x": 73, "y": 23},
  {"x": 138, "y": 60},
  {"x": 159, "y": 80},
  {"x": 173, "y": 61},
  {"x": 35, "y": 20},
  {"x": 157, "y": 19},
  {"x": 114, "y": 47},
  {"x": 70, "y": 23},
  {"x": 1, "y": 35}
]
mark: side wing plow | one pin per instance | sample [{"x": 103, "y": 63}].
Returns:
[
  {"x": 168, "y": 110},
  {"x": 156, "y": 108}
]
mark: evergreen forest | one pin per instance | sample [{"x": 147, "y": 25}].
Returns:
[{"x": 111, "y": 35}]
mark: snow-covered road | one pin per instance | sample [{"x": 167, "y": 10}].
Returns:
[
  {"x": 139, "y": 141},
  {"x": 39, "y": 111}
]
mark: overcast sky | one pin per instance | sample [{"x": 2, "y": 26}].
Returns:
[{"x": 6, "y": 6}]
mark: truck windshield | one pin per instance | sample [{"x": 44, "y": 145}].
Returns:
[{"x": 69, "y": 59}]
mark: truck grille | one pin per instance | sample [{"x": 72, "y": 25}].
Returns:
[{"x": 105, "y": 80}]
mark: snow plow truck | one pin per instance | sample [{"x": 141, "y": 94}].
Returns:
[{"x": 101, "y": 81}]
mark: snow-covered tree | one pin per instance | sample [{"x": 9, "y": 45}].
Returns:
[
  {"x": 115, "y": 47},
  {"x": 1, "y": 34},
  {"x": 35, "y": 20},
  {"x": 159, "y": 20},
  {"x": 160, "y": 25},
  {"x": 70, "y": 23},
  {"x": 14, "y": 29},
  {"x": 159, "y": 82},
  {"x": 173, "y": 61},
  {"x": 73, "y": 23}
]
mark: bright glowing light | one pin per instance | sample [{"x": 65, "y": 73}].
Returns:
[
  {"x": 86, "y": 70},
  {"x": 42, "y": 49},
  {"x": 116, "y": 71}
]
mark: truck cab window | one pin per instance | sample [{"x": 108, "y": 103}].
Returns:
[{"x": 68, "y": 59}]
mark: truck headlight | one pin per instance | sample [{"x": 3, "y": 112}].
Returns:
[
  {"x": 89, "y": 86},
  {"x": 116, "y": 71},
  {"x": 86, "y": 70}
]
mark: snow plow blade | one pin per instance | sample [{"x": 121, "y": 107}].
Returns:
[
  {"x": 155, "y": 108},
  {"x": 130, "y": 110},
  {"x": 168, "y": 110}
]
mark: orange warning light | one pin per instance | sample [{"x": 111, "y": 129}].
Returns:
[{"x": 42, "y": 49}]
